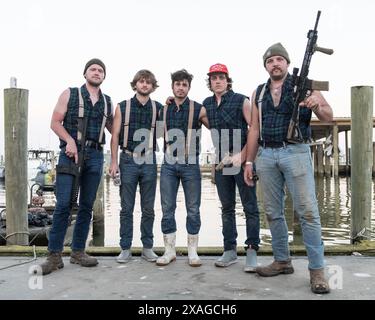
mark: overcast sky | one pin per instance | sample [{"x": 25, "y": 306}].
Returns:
[{"x": 45, "y": 45}]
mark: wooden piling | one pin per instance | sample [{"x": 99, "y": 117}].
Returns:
[
  {"x": 335, "y": 138},
  {"x": 15, "y": 133},
  {"x": 361, "y": 165},
  {"x": 98, "y": 216},
  {"x": 319, "y": 156},
  {"x": 346, "y": 153}
]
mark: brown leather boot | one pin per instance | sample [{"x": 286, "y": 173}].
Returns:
[
  {"x": 83, "y": 259},
  {"x": 318, "y": 282},
  {"x": 53, "y": 262},
  {"x": 275, "y": 268}
]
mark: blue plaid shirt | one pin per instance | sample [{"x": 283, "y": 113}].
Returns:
[
  {"x": 140, "y": 118},
  {"x": 228, "y": 115},
  {"x": 179, "y": 119},
  {"x": 95, "y": 114},
  {"x": 275, "y": 120}
]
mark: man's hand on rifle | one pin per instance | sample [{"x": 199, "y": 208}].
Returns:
[
  {"x": 311, "y": 102},
  {"x": 71, "y": 150}
]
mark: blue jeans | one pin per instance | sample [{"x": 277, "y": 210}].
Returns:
[
  {"x": 226, "y": 188},
  {"x": 190, "y": 177},
  {"x": 90, "y": 180},
  {"x": 291, "y": 165},
  {"x": 132, "y": 174}
]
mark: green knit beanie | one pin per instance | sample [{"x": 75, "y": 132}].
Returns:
[
  {"x": 94, "y": 61},
  {"x": 276, "y": 49}
]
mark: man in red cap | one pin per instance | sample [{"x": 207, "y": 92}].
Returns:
[{"x": 228, "y": 114}]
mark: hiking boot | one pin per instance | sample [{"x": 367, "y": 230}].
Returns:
[
  {"x": 53, "y": 262},
  {"x": 83, "y": 259},
  {"x": 275, "y": 268},
  {"x": 251, "y": 260},
  {"x": 229, "y": 257},
  {"x": 149, "y": 255},
  {"x": 125, "y": 256},
  {"x": 318, "y": 282}
]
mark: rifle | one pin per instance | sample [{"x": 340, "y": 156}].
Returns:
[
  {"x": 302, "y": 85},
  {"x": 75, "y": 169}
]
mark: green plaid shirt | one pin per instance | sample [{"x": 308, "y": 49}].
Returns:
[
  {"x": 275, "y": 120},
  {"x": 228, "y": 115},
  {"x": 179, "y": 119},
  {"x": 140, "y": 118},
  {"x": 94, "y": 113}
]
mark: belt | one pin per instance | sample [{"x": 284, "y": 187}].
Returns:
[
  {"x": 274, "y": 144},
  {"x": 136, "y": 154},
  {"x": 94, "y": 145}
]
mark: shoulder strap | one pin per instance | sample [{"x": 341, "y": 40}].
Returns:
[
  {"x": 153, "y": 122},
  {"x": 104, "y": 119},
  {"x": 126, "y": 123},
  {"x": 260, "y": 100},
  {"x": 81, "y": 112},
  {"x": 190, "y": 126}
]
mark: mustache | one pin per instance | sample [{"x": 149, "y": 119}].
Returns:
[{"x": 276, "y": 68}]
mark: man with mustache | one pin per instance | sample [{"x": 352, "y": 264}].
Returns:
[
  {"x": 89, "y": 105},
  {"x": 134, "y": 131},
  {"x": 280, "y": 163}
]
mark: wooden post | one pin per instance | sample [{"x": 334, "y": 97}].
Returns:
[
  {"x": 335, "y": 138},
  {"x": 346, "y": 153},
  {"x": 361, "y": 165},
  {"x": 319, "y": 155},
  {"x": 373, "y": 159},
  {"x": 16, "y": 184},
  {"x": 98, "y": 216}
]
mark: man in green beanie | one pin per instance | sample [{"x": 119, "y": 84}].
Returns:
[
  {"x": 279, "y": 163},
  {"x": 91, "y": 108}
]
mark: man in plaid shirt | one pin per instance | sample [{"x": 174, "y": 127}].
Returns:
[
  {"x": 228, "y": 114},
  {"x": 133, "y": 130},
  {"x": 280, "y": 163}
]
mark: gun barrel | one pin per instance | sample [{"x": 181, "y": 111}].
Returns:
[{"x": 317, "y": 20}]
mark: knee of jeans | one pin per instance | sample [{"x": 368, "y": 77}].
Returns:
[{"x": 228, "y": 208}]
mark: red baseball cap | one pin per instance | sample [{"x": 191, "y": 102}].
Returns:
[{"x": 218, "y": 67}]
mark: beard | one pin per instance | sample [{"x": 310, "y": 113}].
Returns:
[
  {"x": 94, "y": 84},
  {"x": 277, "y": 77},
  {"x": 144, "y": 93}
]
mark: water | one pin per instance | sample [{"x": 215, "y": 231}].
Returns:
[{"x": 334, "y": 198}]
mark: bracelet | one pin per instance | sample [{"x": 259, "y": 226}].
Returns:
[{"x": 249, "y": 163}]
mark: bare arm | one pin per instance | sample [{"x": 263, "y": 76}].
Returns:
[
  {"x": 56, "y": 125},
  {"x": 252, "y": 142},
  {"x": 203, "y": 117},
  {"x": 116, "y": 129},
  {"x": 319, "y": 105}
]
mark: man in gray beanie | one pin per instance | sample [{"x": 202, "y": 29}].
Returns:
[
  {"x": 95, "y": 61},
  {"x": 79, "y": 119},
  {"x": 279, "y": 163}
]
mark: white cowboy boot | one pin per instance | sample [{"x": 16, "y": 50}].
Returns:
[
  {"x": 170, "y": 250},
  {"x": 194, "y": 260}
]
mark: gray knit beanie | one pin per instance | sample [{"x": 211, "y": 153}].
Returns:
[
  {"x": 276, "y": 49},
  {"x": 94, "y": 61}
]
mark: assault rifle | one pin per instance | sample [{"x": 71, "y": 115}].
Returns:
[
  {"x": 302, "y": 85},
  {"x": 75, "y": 169}
]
